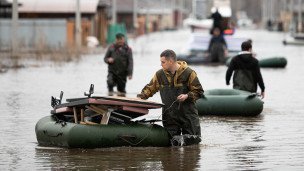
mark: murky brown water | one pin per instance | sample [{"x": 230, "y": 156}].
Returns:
[{"x": 272, "y": 141}]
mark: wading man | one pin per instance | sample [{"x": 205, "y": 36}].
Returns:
[
  {"x": 179, "y": 89},
  {"x": 120, "y": 65},
  {"x": 247, "y": 74},
  {"x": 217, "y": 46}
]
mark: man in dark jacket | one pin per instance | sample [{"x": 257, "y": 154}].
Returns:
[
  {"x": 217, "y": 48},
  {"x": 217, "y": 20},
  {"x": 179, "y": 89},
  {"x": 120, "y": 65},
  {"x": 247, "y": 74}
]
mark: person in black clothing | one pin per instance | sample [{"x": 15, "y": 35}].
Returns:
[
  {"x": 247, "y": 74},
  {"x": 217, "y": 20},
  {"x": 217, "y": 46},
  {"x": 120, "y": 65}
]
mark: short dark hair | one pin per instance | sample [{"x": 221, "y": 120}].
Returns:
[
  {"x": 168, "y": 54},
  {"x": 246, "y": 46},
  {"x": 119, "y": 35}
]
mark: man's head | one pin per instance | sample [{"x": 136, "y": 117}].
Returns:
[
  {"x": 246, "y": 46},
  {"x": 216, "y": 31},
  {"x": 168, "y": 59},
  {"x": 120, "y": 39}
]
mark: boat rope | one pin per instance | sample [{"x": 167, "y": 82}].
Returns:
[
  {"x": 141, "y": 140},
  {"x": 62, "y": 122},
  {"x": 151, "y": 126}
]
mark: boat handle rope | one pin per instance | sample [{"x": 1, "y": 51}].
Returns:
[
  {"x": 134, "y": 144},
  {"x": 150, "y": 129},
  {"x": 46, "y": 133}
]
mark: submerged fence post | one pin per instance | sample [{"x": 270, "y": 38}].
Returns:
[
  {"x": 78, "y": 28},
  {"x": 14, "y": 30}
]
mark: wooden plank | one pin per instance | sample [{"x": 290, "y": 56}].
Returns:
[
  {"x": 130, "y": 100},
  {"x": 135, "y": 109},
  {"x": 122, "y": 115},
  {"x": 97, "y": 111},
  {"x": 76, "y": 99},
  {"x": 120, "y": 99},
  {"x": 105, "y": 118},
  {"x": 88, "y": 123},
  {"x": 120, "y": 103},
  {"x": 82, "y": 115},
  {"x": 74, "y": 103},
  {"x": 75, "y": 115},
  {"x": 62, "y": 110},
  {"x": 101, "y": 110},
  {"x": 87, "y": 101}
]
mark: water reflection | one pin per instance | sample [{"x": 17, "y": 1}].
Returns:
[
  {"x": 123, "y": 158},
  {"x": 245, "y": 157},
  {"x": 240, "y": 138}
]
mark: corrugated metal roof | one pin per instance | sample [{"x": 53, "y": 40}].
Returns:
[
  {"x": 144, "y": 5},
  {"x": 57, "y": 6}
]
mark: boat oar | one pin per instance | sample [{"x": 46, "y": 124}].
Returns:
[{"x": 149, "y": 121}]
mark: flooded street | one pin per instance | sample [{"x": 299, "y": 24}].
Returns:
[{"x": 274, "y": 140}]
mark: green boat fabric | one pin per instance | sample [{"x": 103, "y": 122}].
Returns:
[
  {"x": 274, "y": 62},
  {"x": 51, "y": 132},
  {"x": 229, "y": 102},
  {"x": 271, "y": 62}
]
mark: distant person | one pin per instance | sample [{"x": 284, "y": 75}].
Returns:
[
  {"x": 217, "y": 48},
  {"x": 247, "y": 74},
  {"x": 217, "y": 20},
  {"x": 179, "y": 88},
  {"x": 269, "y": 25},
  {"x": 120, "y": 65},
  {"x": 280, "y": 26}
]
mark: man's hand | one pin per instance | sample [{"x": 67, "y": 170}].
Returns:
[
  {"x": 182, "y": 97},
  {"x": 140, "y": 96},
  {"x": 110, "y": 60},
  {"x": 226, "y": 52},
  {"x": 262, "y": 95}
]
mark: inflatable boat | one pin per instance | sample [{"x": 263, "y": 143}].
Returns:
[
  {"x": 229, "y": 102},
  {"x": 271, "y": 62},
  {"x": 52, "y": 131},
  {"x": 100, "y": 121}
]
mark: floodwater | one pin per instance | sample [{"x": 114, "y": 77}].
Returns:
[{"x": 272, "y": 141}]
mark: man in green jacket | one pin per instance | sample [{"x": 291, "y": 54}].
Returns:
[
  {"x": 179, "y": 89},
  {"x": 120, "y": 65}
]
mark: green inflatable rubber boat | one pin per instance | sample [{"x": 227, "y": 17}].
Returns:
[
  {"x": 51, "y": 131},
  {"x": 272, "y": 62},
  {"x": 229, "y": 102},
  {"x": 100, "y": 121}
]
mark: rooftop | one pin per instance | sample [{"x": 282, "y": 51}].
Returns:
[{"x": 56, "y": 6}]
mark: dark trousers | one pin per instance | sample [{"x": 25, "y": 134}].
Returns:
[
  {"x": 117, "y": 80},
  {"x": 183, "y": 121},
  {"x": 217, "y": 52}
]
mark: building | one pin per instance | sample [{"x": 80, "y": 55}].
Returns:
[
  {"x": 144, "y": 16},
  {"x": 45, "y": 24}
]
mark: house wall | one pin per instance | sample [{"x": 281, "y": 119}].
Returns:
[
  {"x": 155, "y": 23},
  {"x": 34, "y": 33},
  {"x": 70, "y": 32},
  {"x": 101, "y": 26}
]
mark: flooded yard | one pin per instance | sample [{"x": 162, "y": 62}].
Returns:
[{"x": 271, "y": 141}]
